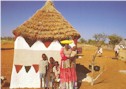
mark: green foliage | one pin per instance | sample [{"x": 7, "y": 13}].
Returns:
[
  {"x": 114, "y": 39},
  {"x": 82, "y": 40},
  {"x": 5, "y": 40},
  {"x": 92, "y": 42},
  {"x": 100, "y": 37}
]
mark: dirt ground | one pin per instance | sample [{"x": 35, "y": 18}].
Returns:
[{"x": 110, "y": 79}]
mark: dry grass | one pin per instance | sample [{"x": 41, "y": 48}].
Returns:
[{"x": 110, "y": 79}]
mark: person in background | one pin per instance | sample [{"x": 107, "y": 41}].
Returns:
[
  {"x": 43, "y": 65},
  {"x": 100, "y": 51},
  {"x": 116, "y": 49}
]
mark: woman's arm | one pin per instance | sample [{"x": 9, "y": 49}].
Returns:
[{"x": 62, "y": 54}]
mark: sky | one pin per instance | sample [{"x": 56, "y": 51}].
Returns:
[{"x": 87, "y": 17}]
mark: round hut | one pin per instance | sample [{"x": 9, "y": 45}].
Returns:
[{"x": 40, "y": 34}]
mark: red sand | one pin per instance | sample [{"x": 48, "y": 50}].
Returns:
[{"x": 110, "y": 79}]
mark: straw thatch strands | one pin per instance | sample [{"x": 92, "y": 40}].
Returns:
[{"x": 46, "y": 24}]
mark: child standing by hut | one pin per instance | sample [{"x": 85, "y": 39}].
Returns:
[
  {"x": 56, "y": 71},
  {"x": 50, "y": 74},
  {"x": 43, "y": 64}
]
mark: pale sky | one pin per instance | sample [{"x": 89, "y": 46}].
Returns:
[{"x": 87, "y": 17}]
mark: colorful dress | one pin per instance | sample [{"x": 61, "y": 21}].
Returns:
[{"x": 67, "y": 74}]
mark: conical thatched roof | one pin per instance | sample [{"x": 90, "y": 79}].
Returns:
[{"x": 46, "y": 24}]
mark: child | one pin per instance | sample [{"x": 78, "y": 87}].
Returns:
[
  {"x": 73, "y": 57},
  {"x": 73, "y": 67},
  {"x": 56, "y": 71},
  {"x": 43, "y": 64},
  {"x": 65, "y": 54},
  {"x": 50, "y": 74}
]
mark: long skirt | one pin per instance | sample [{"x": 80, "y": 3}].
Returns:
[{"x": 68, "y": 76}]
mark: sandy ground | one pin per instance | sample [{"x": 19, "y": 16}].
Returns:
[{"x": 110, "y": 79}]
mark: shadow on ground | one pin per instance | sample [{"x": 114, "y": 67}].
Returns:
[{"x": 81, "y": 73}]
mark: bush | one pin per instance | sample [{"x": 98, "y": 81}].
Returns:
[{"x": 5, "y": 40}]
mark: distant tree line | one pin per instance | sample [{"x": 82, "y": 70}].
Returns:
[
  {"x": 7, "y": 38},
  {"x": 100, "y": 38}
]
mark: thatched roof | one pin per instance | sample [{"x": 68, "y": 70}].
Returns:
[{"x": 46, "y": 24}]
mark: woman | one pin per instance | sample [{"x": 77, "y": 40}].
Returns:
[{"x": 65, "y": 70}]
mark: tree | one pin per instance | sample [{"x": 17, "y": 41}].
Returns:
[
  {"x": 82, "y": 40},
  {"x": 92, "y": 42},
  {"x": 100, "y": 38},
  {"x": 114, "y": 39}
]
